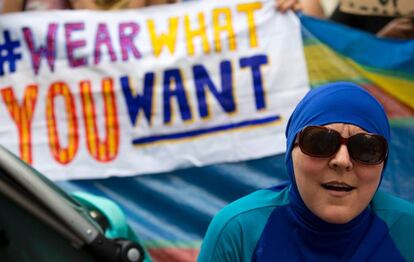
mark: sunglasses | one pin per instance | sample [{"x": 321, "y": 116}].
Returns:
[{"x": 365, "y": 148}]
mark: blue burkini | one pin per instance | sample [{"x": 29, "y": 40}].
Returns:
[{"x": 275, "y": 225}]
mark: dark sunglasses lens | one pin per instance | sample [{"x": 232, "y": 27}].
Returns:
[
  {"x": 319, "y": 142},
  {"x": 366, "y": 148}
]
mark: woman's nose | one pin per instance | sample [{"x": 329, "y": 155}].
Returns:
[{"x": 341, "y": 160}]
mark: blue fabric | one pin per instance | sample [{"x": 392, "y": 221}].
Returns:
[
  {"x": 351, "y": 242},
  {"x": 309, "y": 237},
  {"x": 236, "y": 229}
]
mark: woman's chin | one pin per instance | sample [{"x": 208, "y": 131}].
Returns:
[{"x": 336, "y": 215}]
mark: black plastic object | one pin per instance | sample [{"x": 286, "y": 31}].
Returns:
[
  {"x": 4, "y": 241},
  {"x": 122, "y": 250}
]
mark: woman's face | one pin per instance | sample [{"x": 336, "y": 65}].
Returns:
[{"x": 313, "y": 174}]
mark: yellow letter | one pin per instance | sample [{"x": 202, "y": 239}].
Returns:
[
  {"x": 201, "y": 32},
  {"x": 169, "y": 39},
  {"x": 249, "y": 10},
  {"x": 226, "y": 27}
]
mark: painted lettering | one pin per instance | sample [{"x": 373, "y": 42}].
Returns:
[
  {"x": 63, "y": 155},
  {"x": 201, "y": 32},
  {"x": 137, "y": 102},
  {"x": 168, "y": 39},
  {"x": 103, "y": 150},
  {"x": 173, "y": 87},
  {"x": 225, "y": 97},
  {"x": 249, "y": 9},
  {"x": 103, "y": 38},
  {"x": 226, "y": 27},
  {"x": 22, "y": 116},
  {"x": 255, "y": 62},
  {"x": 48, "y": 50},
  {"x": 72, "y": 45},
  {"x": 127, "y": 33}
]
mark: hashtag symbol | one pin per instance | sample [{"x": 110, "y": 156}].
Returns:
[{"x": 8, "y": 53}]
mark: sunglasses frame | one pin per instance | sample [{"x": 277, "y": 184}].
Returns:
[{"x": 342, "y": 140}]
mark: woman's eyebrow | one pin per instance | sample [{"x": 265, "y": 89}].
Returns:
[{"x": 358, "y": 131}]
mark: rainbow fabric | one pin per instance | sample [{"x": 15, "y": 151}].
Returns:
[
  {"x": 170, "y": 212},
  {"x": 383, "y": 66}
]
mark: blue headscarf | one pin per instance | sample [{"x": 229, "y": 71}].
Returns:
[{"x": 340, "y": 102}]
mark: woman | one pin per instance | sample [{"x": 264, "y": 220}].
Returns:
[{"x": 337, "y": 149}]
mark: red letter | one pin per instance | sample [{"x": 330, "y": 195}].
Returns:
[
  {"x": 107, "y": 149},
  {"x": 62, "y": 155},
  {"x": 22, "y": 116}
]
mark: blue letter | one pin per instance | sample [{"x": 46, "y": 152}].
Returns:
[
  {"x": 137, "y": 102},
  {"x": 174, "y": 76},
  {"x": 255, "y": 62},
  {"x": 225, "y": 97}
]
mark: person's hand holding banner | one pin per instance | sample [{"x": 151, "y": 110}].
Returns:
[
  {"x": 285, "y": 5},
  {"x": 402, "y": 28}
]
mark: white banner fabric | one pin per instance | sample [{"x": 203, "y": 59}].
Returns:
[{"x": 87, "y": 94}]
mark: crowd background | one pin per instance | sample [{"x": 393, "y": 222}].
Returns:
[{"x": 321, "y": 8}]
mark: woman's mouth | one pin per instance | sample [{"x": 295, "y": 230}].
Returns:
[{"x": 338, "y": 186}]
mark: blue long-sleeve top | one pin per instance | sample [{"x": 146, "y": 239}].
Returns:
[{"x": 263, "y": 226}]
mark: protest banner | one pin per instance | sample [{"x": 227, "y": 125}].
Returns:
[{"x": 90, "y": 94}]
